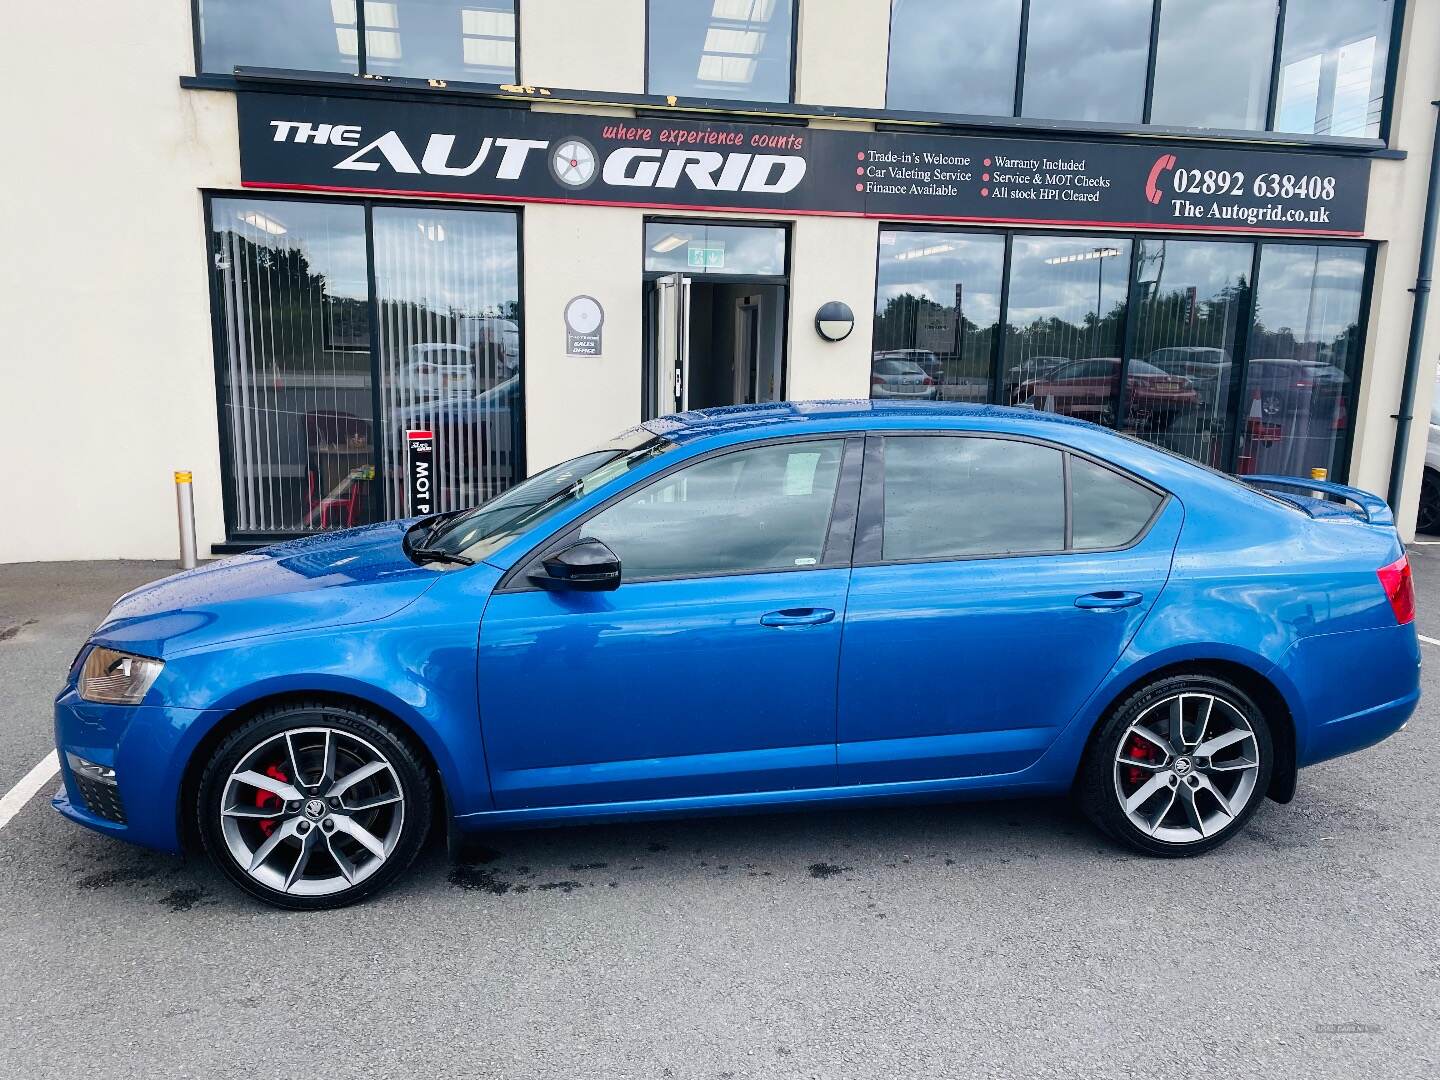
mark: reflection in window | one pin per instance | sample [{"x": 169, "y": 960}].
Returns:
[
  {"x": 1189, "y": 296},
  {"x": 954, "y": 57},
  {"x": 295, "y": 363},
  {"x": 1332, "y": 66},
  {"x": 448, "y": 293},
  {"x": 762, "y": 509},
  {"x": 698, "y": 248},
  {"x": 1212, "y": 63},
  {"x": 732, "y": 49},
  {"x": 1087, "y": 61},
  {"x": 1304, "y": 364},
  {"x": 950, "y": 496},
  {"x": 304, "y": 35},
  {"x": 1107, "y": 510},
  {"x": 1066, "y": 324},
  {"x": 459, "y": 40},
  {"x": 937, "y": 310}
]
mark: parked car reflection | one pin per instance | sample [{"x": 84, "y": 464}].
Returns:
[
  {"x": 892, "y": 376},
  {"x": 1089, "y": 389}
]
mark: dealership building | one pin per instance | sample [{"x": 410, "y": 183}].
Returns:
[{"x": 276, "y": 243}]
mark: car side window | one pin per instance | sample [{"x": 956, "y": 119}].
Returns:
[
  {"x": 765, "y": 508},
  {"x": 955, "y": 496},
  {"x": 1107, "y": 510}
]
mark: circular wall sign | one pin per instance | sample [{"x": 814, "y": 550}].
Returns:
[
  {"x": 834, "y": 320},
  {"x": 584, "y": 315},
  {"x": 574, "y": 162}
]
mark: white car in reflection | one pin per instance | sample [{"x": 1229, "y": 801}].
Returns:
[{"x": 439, "y": 370}]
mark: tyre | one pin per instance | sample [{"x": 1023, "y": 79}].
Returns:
[
  {"x": 1428, "y": 520},
  {"x": 310, "y": 806},
  {"x": 1178, "y": 767}
]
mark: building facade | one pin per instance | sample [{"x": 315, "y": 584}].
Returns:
[{"x": 302, "y": 247}]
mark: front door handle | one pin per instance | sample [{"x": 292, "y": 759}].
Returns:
[
  {"x": 1107, "y": 601},
  {"x": 800, "y": 616}
]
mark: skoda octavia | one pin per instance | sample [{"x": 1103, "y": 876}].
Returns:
[{"x": 762, "y": 607}]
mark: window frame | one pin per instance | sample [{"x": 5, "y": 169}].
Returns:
[
  {"x": 237, "y": 541},
  {"x": 870, "y": 528},
  {"x": 794, "y": 58},
  {"x": 839, "y": 532},
  {"x": 360, "y": 56}
]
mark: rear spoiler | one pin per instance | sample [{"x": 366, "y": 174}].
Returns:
[{"x": 1375, "y": 510}]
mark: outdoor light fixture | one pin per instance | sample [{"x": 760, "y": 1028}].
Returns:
[
  {"x": 1095, "y": 253},
  {"x": 669, "y": 243},
  {"x": 834, "y": 320},
  {"x": 256, "y": 220}
]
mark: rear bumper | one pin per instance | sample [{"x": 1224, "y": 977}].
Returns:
[
  {"x": 147, "y": 746},
  {"x": 1352, "y": 690}
]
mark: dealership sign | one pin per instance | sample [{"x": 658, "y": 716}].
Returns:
[
  {"x": 306, "y": 142},
  {"x": 420, "y": 455}
]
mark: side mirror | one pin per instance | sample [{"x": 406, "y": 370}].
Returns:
[{"x": 585, "y": 566}]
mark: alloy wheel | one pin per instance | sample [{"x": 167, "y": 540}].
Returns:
[
  {"x": 312, "y": 811},
  {"x": 1187, "y": 768}
]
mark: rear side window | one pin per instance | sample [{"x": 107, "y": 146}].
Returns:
[
  {"x": 1107, "y": 510},
  {"x": 953, "y": 496}
]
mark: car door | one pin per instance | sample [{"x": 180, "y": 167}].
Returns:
[
  {"x": 984, "y": 607},
  {"x": 711, "y": 669}
]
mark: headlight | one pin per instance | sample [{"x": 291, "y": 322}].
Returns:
[{"x": 116, "y": 678}]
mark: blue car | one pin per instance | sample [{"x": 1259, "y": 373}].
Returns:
[{"x": 755, "y": 608}]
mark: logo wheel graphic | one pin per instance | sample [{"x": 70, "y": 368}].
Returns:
[{"x": 574, "y": 162}]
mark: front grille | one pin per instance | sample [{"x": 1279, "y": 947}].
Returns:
[{"x": 102, "y": 800}]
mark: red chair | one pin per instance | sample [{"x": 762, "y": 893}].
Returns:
[{"x": 335, "y": 432}]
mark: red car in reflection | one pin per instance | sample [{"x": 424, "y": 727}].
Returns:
[{"x": 1089, "y": 389}]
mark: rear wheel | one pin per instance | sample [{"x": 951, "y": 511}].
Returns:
[
  {"x": 1179, "y": 766},
  {"x": 314, "y": 806}
]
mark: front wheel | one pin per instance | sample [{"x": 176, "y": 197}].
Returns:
[
  {"x": 311, "y": 806},
  {"x": 1178, "y": 767}
]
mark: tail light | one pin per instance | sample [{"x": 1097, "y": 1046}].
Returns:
[
  {"x": 1399, "y": 589},
  {"x": 929, "y": 381},
  {"x": 876, "y": 380}
]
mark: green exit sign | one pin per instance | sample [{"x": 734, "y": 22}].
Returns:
[{"x": 707, "y": 258}]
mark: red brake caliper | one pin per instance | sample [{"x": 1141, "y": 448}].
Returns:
[
  {"x": 268, "y": 800},
  {"x": 1137, "y": 749}
]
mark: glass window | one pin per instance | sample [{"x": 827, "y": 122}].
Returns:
[
  {"x": 1305, "y": 350},
  {"x": 954, "y": 56},
  {"x": 304, "y": 35},
  {"x": 295, "y": 363},
  {"x": 732, "y": 49},
  {"x": 1332, "y": 66},
  {"x": 1087, "y": 61},
  {"x": 953, "y": 496},
  {"x": 459, "y": 40},
  {"x": 698, "y": 248},
  {"x": 1107, "y": 510},
  {"x": 448, "y": 291},
  {"x": 1067, "y": 303},
  {"x": 937, "y": 311},
  {"x": 1189, "y": 296},
  {"x": 767, "y": 508},
  {"x": 1212, "y": 63}
]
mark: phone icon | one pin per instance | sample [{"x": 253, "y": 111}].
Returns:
[{"x": 1163, "y": 164}]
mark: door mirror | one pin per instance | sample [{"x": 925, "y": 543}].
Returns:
[{"x": 585, "y": 566}]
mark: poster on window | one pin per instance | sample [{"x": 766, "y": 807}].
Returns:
[
  {"x": 420, "y": 457},
  {"x": 469, "y": 151}
]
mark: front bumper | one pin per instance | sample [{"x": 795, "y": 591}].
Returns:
[{"x": 147, "y": 746}]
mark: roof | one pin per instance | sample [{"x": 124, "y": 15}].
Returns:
[{"x": 780, "y": 416}]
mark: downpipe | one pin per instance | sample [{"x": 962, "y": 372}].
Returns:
[{"x": 1421, "y": 293}]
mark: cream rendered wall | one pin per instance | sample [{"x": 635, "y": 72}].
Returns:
[
  {"x": 106, "y": 363},
  {"x": 831, "y": 259},
  {"x": 1395, "y": 213},
  {"x": 586, "y": 45},
  {"x": 841, "y": 55}
]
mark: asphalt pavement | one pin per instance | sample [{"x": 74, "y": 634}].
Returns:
[{"x": 976, "y": 940}]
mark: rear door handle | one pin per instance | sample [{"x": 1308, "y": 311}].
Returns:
[
  {"x": 800, "y": 616},
  {"x": 1107, "y": 601}
]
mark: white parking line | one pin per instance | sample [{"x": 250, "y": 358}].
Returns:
[
  {"x": 1428, "y": 640},
  {"x": 32, "y": 782}
]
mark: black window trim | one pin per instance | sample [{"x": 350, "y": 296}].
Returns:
[
  {"x": 794, "y": 59},
  {"x": 839, "y": 535},
  {"x": 870, "y": 529}
]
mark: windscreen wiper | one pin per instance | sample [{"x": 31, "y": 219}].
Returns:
[{"x": 429, "y": 555}]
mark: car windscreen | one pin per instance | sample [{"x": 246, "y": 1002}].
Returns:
[{"x": 490, "y": 526}]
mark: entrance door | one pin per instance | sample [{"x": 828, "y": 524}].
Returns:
[{"x": 715, "y": 315}]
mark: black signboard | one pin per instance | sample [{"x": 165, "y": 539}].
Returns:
[
  {"x": 420, "y": 452},
  {"x": 302, "y": 142}
]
